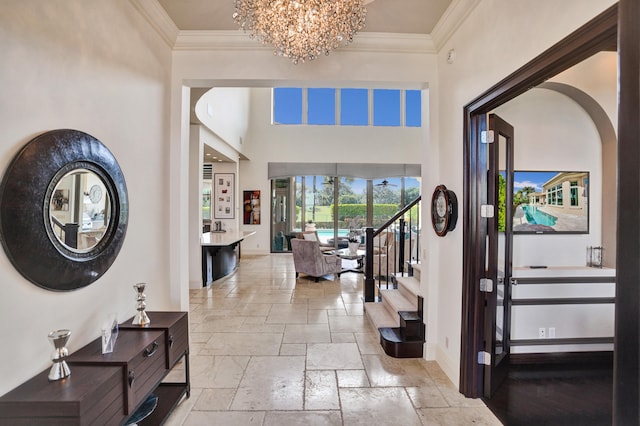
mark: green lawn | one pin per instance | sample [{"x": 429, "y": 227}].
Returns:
[{"x": 323, "y": 214}]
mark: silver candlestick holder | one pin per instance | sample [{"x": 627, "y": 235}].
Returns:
[
  {"x": 141, "y": 318},
  {"x": 59, "y": 369}
]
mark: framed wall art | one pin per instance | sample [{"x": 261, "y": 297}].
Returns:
[
  {"x": 251, "y": 209},
  {"x": 223, "y": 184}
]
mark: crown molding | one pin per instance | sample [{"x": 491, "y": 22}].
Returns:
[
  {"x": 363, "y": 42},
  {"x": 451, "y": 20},
  {"x": 453, "y": 17},
  {"x": 159, "y": 19}
]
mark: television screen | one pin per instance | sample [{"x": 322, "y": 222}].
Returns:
[{"x": 548, "y": 202}]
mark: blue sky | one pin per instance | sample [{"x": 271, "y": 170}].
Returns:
[
  {"x": 533, "y": 179},
  {"x": 353, "y": 107}
]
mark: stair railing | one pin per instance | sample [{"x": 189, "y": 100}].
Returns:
[{"x": 391, "y": 255}]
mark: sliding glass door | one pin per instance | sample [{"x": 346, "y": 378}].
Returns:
[{"x": 332, "y": 205}]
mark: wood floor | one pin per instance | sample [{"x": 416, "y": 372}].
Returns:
[{"x": 555, "y": 394}]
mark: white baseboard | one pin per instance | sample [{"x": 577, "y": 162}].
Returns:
[
  {"x": 257, "y": 252},
  {"x": 449, "y": 366},
  {"x": 430, "y": 351}
]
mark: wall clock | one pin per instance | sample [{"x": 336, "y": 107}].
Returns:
[
  {"x": 444, "y": 210},
  {"x": 95, "y": 194}
]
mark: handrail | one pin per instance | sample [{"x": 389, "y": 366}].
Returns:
[
  {"x": 57, "y": 222},
  {"x": 562, "y": 280},
  {"x": 398, "y": 215},
  {"x": 392, "y": 260},
  {"x": 562, "y": 341},
  {"x": 542, "y": 301},
  {"x": 70, "y": 231}
]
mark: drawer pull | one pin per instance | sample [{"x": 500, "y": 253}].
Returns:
[
  {"x": 149, "y": 352},
  {"x": 171, "y": 340},
  {"x": 131, "y": 378}
]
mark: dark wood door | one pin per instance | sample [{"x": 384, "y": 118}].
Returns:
[{"x": 496, "y": 287}]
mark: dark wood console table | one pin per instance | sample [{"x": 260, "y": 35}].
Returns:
[{"x": 108, "y": 389}]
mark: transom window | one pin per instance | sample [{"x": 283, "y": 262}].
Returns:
[{"x": 347, "y": 107}]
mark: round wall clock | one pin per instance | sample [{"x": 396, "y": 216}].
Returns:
[
  {"x": 95, "y": 194},
  {"x": 444, "y": 210}
]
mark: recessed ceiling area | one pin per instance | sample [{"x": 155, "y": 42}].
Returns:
[
  {"x": 210, "y": 155},
  {"x": 386, "y": 16}
]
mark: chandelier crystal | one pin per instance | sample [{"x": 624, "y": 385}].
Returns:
[{"x": 301, "y": 30}]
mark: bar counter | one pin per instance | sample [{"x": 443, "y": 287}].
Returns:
[{"x": 220, "y": 253}]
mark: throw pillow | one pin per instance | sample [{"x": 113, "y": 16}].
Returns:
[{"x": 309, "y": 236}]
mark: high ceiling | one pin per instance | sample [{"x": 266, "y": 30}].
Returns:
[
  {"x": 387, "y": 16},
  {"x": 383, "y": 16}
]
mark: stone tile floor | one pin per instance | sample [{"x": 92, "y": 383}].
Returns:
[{"x": 270, "y": 349}]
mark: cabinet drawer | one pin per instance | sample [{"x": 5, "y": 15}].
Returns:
[
  {"x": 146, "y": 371},
  {"x": 91, "y": 395},
  {"x": 141, "y": 354},
  {"x": 178, "y": 339},
  {"x": 176, "y": 326}
]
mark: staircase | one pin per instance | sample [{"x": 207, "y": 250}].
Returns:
[{"x": 399, "y": 316}]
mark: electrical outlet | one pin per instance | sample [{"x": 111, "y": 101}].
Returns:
[
  {"x": 552, "y": 332},
  {"x": 542, "y": 333}
]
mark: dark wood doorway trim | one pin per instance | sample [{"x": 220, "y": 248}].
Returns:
[
  {"x": 597, "y": 35},
  {"x": 626, "y": 376}
]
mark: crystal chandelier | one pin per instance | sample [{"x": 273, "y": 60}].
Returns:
[{"x": 301, "y": 30}]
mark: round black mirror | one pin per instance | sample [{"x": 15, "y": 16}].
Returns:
[
  {"x": 63, "y": 210},
  {"x": 78, "y": 214}
]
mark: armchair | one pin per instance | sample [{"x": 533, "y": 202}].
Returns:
[
  {"x": 313, "y": 236},
  {"x": 308, "y": 259},
  {"x": 386, "y": 256}
]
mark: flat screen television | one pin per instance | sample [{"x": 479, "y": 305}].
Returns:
[{"x": 548, "y": 202}]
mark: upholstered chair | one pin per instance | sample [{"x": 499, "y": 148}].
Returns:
[
  {"x": 313, "y": 236},
  {"x": 386, "y": 255},
  {"x": 308, "y": 259}
]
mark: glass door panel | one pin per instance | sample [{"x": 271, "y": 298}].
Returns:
[
  {"x": 352, "y": 208},
  {"x": 387, "y": 198},
  {"x": 281, "y": 226},
  {"x": 499, "y": 249}
]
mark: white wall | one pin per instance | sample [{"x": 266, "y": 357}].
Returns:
[
  {"x": 497, "y": 38},
  {"x": 199, "y": 135},
  {"x": 307, "y": 144},
  {"x": 225, "y": 111},
  {"x": 554, "y": 133},
  {"x": 98, "y": 67}
]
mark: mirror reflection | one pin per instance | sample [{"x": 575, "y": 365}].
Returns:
[{"x": 79, "y": 210}]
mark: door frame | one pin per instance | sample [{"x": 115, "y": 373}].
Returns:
[{"x": 596, "y": 35}]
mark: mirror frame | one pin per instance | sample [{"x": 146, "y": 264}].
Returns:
[{"x": 25, "y": 197}]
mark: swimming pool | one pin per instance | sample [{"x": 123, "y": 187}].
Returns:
[
  {"x": 537, "y": 217},
  {"x": 328, "y": 233}
]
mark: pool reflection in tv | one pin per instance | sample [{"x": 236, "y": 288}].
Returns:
[{"x": 549, "y": 202}]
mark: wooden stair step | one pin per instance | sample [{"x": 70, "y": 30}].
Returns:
[
  {"x": 396, "y": 346},
  {"x": 379, "y": 315},
  {"x": 411, "y": 325},
  {"x": 416, "y": 269},
  {"x": 395, "y": 301},
  {"x": 409, "y": 287}
]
